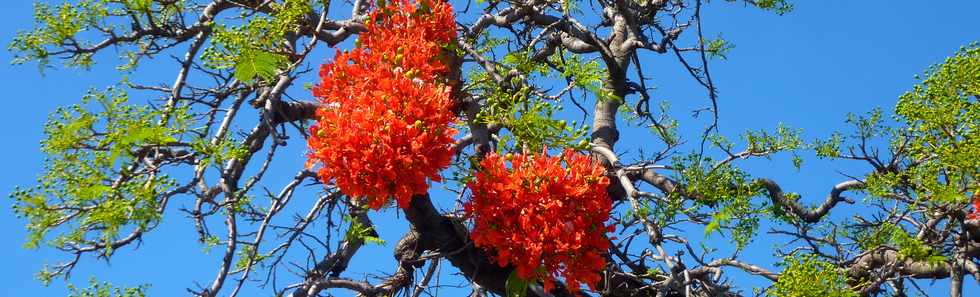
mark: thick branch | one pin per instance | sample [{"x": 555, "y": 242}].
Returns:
[
  {"x": 441, "y": 234},
  {"x": 810, "y": 215}
]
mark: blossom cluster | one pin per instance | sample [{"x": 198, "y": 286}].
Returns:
[
  {"x": 383, "y": 126},
  {"x": 545, "y": 215},
  {"x": 975, "y": 214}
]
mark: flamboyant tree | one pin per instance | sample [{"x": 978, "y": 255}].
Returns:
[{"x": 452, "y": 115}]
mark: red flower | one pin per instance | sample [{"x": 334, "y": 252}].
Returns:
[
  {"x": 383, "y": 127},
  {"x": 976, "y": 208},
  {"x": 546, "y": 219}
]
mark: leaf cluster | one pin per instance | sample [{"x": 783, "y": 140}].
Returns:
[
  {"x": 105, "y": 289},
  {"x": 89, "y": 181},
  {"x": 252, "y": 49},
  {"x": 807, "y": 276}
]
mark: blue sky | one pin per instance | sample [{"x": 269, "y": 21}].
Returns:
[{"x": 807, "y": 69}]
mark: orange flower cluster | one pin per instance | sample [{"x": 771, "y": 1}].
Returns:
[
  {"x": 546, "y": 219},
  {"x": 383, "y": 125}
]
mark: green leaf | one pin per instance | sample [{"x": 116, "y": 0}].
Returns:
[
  {"x": 254, "y": 63},
  {"x": 140, "y": 5},
  {"x": 807, "y": 276},
  {"x": 516, "y": 287},
  {"x": 715, "y": 224},
  {"x": 718, "y": 47},
  {"x": 104, "y": 289},
  {"x": 358, "y": 231},
  {"x": 86, "y": 193}
]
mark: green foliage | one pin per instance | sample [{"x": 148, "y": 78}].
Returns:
[
  {"x": 913, "y": 249},
  {"x": 762, "y": 143},
  {"x": 530, "y": 120},
  {"x": 61, "y": 30},
  {"x": 528, "y": 114},
  {"x": 253, "y": 64},
  {"x": 57, "y": 26},
  {"x": 247, "y": 255},
  {"x": 358, "y": 231},
  {"x": 807, "y": 276},
  {"x": 868, "y": 239},
  {"x": 725, "y": 188},
  {"x": 138, "y": 5},
  {"x": 780, "y": 7},
  {"x": 218, "y": 152},
  {"x": 667, "y": 129},
  {"x": 90, "y": 184},
  {"x": 718, "y": 47},
  {"x": 521, "y": 62},
  {"x": 829, "y": 148},
  {"x": 729, "y": 190},
  {"x": 516, "y": 287},
  {"x": 251, "y": 49},
  {"x": 943, "y": 123},
  {"x": 939, "y": 135},
  {"x": 866, "y": 128},
  {"x": 586, "y": 75},
  {"x": 209, "y": 243},
  {"x": 104, "y": 289},
  {"x": 882, "y": 184},
  {"x": 739, "y": 218},
  {"x": 148, "y": 12},
  {"x": 894, "y": 236},
  {"x": 240, "y": 202}
]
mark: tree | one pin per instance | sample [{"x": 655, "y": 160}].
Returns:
[{"x": 518, "y": 218}]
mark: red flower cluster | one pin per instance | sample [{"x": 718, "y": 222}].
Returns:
[
  {"x": 383, "y": 126},
  {"x": 975, "y": 215},
  {"x": 546, "y": 219}
]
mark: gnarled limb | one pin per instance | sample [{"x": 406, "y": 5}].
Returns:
[{"x": 810, "y": 215}]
